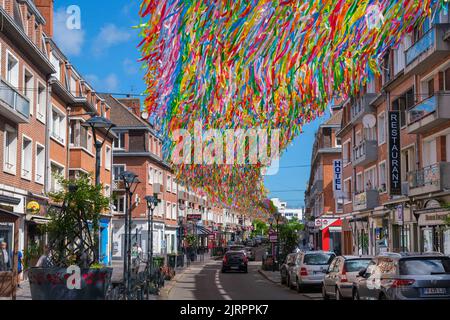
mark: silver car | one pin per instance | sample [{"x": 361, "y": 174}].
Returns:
[
  {"x": 309, "y": 269},
  {"x": 341, "y": 274},
  {"x": 396, "y": 276}
]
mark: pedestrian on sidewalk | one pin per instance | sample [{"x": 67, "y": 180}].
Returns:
[
  {"x": 45, "y": 259},
  {"x": 19, "y": 267},
  {"x": 5, "y": 257}
]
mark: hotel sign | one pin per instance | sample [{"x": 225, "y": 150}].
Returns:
[
  {"x": 337, "y": 179},
  {"x": 395, "y": 182}
]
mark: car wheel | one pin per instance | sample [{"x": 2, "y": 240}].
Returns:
[
  {"x": 356, "y": 295},
  {"x": 223, "y": 270},
  {"x": 299, "y": 287},
  {"x": 338, "y": 294},
  {"x": 324, "y": 293}
]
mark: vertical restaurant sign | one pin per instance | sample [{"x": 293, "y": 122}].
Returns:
[
  {"x": 395, "y": 182},
  {"x": 337, "y": 178}
]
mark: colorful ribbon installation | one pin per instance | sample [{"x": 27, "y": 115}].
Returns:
[{"x": 260, "y": 64}]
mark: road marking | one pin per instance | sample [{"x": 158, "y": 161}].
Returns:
[{"x": 220, "y": 288}]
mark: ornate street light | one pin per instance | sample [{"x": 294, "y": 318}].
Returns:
[
  {"x": 98, "y": 123},
  {"x": 130, "y": 180},
  {"x": 152, "y": 203}
]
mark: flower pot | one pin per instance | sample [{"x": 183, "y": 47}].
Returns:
[{"x": 52, "y": 284}]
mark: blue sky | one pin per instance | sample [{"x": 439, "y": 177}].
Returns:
[{"x": 105, "y": 52}]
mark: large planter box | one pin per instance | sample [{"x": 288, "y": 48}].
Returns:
[{"x": 51, "y": 284}]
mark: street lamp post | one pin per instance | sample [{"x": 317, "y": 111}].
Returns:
[
  {"x": 152, "y": 203},
  {"x": 277, "y": 217},
  {"x": 129, "y": 179},
  {"x": 98, "y": 123}
]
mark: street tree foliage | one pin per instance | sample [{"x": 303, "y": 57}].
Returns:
[
  {"x": 74, "y": 222},
  {"x": 289, "y": 235},
  {"x": 260, "y": 228}
]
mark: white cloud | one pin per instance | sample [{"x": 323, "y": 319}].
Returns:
[
  {"x": 130, "y": 67},
  {"x": 108, "y": 84},
  {"x": 70, "y": 41},
  {"x": 110, "y": 35}
]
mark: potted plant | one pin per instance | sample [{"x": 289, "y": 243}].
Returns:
[{"x": 70, "y": 269}]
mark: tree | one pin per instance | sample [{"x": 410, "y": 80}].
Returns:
[
  {"x": 260, "y": 228},
  {"x": 289, "y": 235},
  {"x": 74, "y": 222}
]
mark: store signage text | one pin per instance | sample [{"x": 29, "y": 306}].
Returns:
[
  {"x": 394, "y": 153},
  {"x": 337, "y": 180}
]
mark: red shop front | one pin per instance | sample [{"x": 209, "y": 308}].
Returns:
[{"x": 331, "y": 230}]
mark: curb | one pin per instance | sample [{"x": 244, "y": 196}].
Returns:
[{"x": 267, "y": 277}]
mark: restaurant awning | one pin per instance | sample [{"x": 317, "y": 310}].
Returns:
[{"x": 37, "y": 219}]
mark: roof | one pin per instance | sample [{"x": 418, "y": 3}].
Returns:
[
  {"x": 122, "y": 116},
  {"x": 335, "y": 119}
]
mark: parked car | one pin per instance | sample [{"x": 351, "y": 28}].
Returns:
[
  {"x": 341, "y": 274},
  {"x": 394, "y": 276},
  {"x": 235, "y": 260},
  {"x": 288, "y": 263},
  {"x": 309, "y": 269},
  {"x": 250, "y": 253}
]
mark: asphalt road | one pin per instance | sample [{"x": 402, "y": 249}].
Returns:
[{"x": 206, "y": 282}]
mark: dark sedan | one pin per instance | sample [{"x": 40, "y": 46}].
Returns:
[{"x": 235, "y": 260}]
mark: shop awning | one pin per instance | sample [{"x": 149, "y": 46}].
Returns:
[
  {"x": 9, "y": 213},
  {"x": 202, "y": 231},
  {"x": 37, "y": 219}
]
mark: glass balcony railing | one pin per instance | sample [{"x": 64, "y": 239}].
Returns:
[
  {"x": 422, "y": 45},
  {"x": 428, "y": 176},
  {"x": 422, "y": 109},
  {"x": 14, "y": 100}
]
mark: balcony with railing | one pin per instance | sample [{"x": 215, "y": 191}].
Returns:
[
  {"x": 429, "y": 113},
  {"x": 13, "y": 105},
  {"x": 361, "y": 107},
  {"x": 434, "y": 178},
  {"x": 365, "y": 153},
  {"x": 429, "y": 50},
  {"x": 317, "y": 187},
  {"x": 366, "y": 200}
]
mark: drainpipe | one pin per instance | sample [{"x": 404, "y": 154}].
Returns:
[{"x": 47, "y": 138}]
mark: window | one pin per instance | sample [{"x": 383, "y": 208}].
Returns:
[
  {"x": 174, "y": 211},
  {"x": 73, "y": 86},
  {"x": 408, "y": 162},
  {"x": 169, "y": 211},
  {"x": 359, "y": 183},
  {"x": 58, "y": 126},
  {"x": 107, "y": 190},
  {"x": 89, "y": 143},
  {"x": 119, "y": 204},
  {"x": 28, "y": 89},
  {"x": 12, "y": 71},
  {"x": 346, "y": 153},
  {"x": 118, "y": 169},
  {"x": 10, "y": 147},
  {"x": 429, "y": 154},
  {"x": 169, "y": 184},
  {"x": 41, "y": 104},
  {"x": 108, "y": 158},
  {"x": 348, "y": 190},
  {"x": 27, "y": 156},
  {"x": 381, "y": 128},
  {"x": 370, "y": 178},
  {"x": 57, "y": 172},
  {"x": 174, "y": 186},
  {"x": 40, "y": 164},
  {"x": 119, "y": 143},
  {"x": 160, "y": 178},
  {"x": 57, "y": 65},
  {"x": 403, "y": 104},
  {"x": 447, "y": 79},
  {"x": 382, "y": 172}
]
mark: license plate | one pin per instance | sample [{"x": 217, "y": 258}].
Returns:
[
  {"x": 318, "y": 272},
  {"x": 434, "y": 291},
  {"x": 234, "y": 268}
]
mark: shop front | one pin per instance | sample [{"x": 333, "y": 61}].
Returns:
[
  {"x": 379, "y": 232},
  {"x": 330, "y": 233},
  {"x": 434, "y": 233},
  {"x": 360, "y": 234},
  {"x": 9, "y": 240}
]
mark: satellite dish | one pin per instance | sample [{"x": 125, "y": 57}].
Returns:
[
  {"x": 369, "y": 121},
  {"x": 144, "y": 115}
]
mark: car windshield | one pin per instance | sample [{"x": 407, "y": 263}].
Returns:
[
  {"x": 236, "y": 248},
  {"x": 424, "y": 266},
  {"x": 318, "y": 258},
  {"x": 356, "y": 265},
  {"x": 235, "y": 255}
]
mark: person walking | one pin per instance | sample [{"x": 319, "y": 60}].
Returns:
[
  {"x": 5, "y": 257},
  {"x": 19, "y": 267}
]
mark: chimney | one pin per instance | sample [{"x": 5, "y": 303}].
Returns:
[
  {"x": 132, "y": 103},
  {"x": 46, "y": 9}
]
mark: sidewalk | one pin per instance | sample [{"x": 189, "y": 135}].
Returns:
[
  {"x": 273, "y": 276},
  {"x": 168, "y": 286}
]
